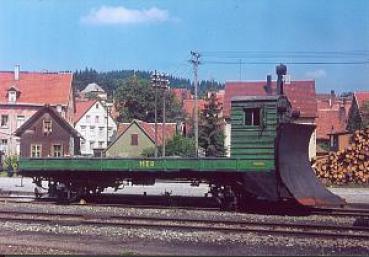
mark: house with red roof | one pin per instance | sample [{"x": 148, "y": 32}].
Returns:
[
  {"x": 94, "y": 122},
  {"x": 358, "y": 117},
  {"x": 332, "y": 117},
  {"x": 23, "y": 93},
  {"x": 181, "y": 94},
  {"x": 133, "y": 138},
  {"x": 300, "y": 93},
  {"x": 47, "y": 134}
]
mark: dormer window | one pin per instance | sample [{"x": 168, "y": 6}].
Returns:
[{"x": 12, "y": 96}]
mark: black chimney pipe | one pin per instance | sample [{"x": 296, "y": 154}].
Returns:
[
  {"x": 281, "y": 70},
  {"x": 268, "y": 86}
]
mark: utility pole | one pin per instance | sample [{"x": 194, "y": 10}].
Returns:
[
  {"x": 195, "y": 61},
  {"x": 155, "y": 79},
  {"x": 164, "y": 85}
]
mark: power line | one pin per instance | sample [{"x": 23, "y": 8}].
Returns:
[
  {"x": 352, "y": 52},
  {"x": 298, "y": 63}
]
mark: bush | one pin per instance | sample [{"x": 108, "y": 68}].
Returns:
[{"x": 10, "y": 165}]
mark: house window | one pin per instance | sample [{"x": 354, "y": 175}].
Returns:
[
  {"x": 252, "y": 117},
  {"x": 59, "y": 108},
  {"x": 110, "y": 131},
  {"x": 88, "y": 118},
  {"x": 101, "y": 131},
  {"x": 4, "y": 145},
  {"x": 47, "y": 126},
  {"x": 92, "y": 143},
  {"x": 101, "y": 143},
  {"x": 97, "y": 106},
  {"x": 35, "y": 150},
  {"x": 134, "y": 139},
  {"x": 17, "y": 146},
  {"x": 12, "y": 96},
  {"x": 20, "y": 120},
  {"x": 83, "y": 130},
  {"x": 57, "y": 150},
  {"x": 97, "y": 119},
  {"x": 92, "y": 131},
  {"x": 83, "y": 145},
  {"x": 4, "y": 121}
]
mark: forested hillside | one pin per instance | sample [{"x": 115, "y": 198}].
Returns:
[{"x": 109, "y": 80}]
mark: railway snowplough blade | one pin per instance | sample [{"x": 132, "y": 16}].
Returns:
[{"x": 294, "y": 168}]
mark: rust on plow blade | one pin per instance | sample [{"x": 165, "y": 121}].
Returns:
[{"x": 294, "y": 168}]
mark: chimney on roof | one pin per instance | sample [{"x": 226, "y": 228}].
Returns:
[
  {"x": 281, "y": 70},
  {"x": 16, "y": 72},
  {"x": 331, "y": 99},
  {"x": 268, "y": 86}
]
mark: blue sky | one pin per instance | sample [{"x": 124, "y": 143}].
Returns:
[{"x": 147, "y": 35}]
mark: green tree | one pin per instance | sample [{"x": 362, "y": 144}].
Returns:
[
  {"x": 177, "y": 146},
  {"x": 135, "y": 99},
  {"x": 358, "y": 118},
  {"x": 211, "y": 129},
  {"x": 10, "y": 165}
]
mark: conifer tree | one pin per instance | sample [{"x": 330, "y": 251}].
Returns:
[{"x": 211, "y": 128}]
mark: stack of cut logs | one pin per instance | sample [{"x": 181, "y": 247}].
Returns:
[{"x": 346, "y": 166}]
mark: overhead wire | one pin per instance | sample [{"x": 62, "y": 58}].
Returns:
[{"x": 287, "y": 57}]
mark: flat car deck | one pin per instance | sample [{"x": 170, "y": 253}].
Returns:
[{"x": 145, "y": 164}]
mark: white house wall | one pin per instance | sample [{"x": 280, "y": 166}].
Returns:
[{"x": 94, "y": 130}]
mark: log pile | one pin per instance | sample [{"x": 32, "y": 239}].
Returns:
[{"x": 346, "y": 166}]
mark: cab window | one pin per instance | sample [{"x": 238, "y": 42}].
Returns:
[{"x": 252, "y": 117}]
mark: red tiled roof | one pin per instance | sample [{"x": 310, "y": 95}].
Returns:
[
  {"x": 300, "y": 93},
  {"x": 326, "y": 101},
  {"x": 181, "y": 94},
  {"x": 149, "y": 129},
  {"x": 81, "y": 108},
  {"x": 219, "y": 95},
  {"x": 188, "y": 106},
  {"x": 121, "y": 127},
  {"x": 361, "y": 97},
  {"x": 330, "y": 121},
  {"x": 37, "y": 87}
]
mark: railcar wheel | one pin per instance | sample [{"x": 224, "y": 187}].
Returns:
[
  {"x": 37, "y": 193},
  {"x": 225, "y": 196}
]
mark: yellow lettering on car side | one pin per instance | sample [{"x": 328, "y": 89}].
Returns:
[
  {"x": 146, "y": 164},
  {"x": 258, "y": 163}
]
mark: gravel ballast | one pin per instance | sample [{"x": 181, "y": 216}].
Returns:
[{"x": 36, "y": 238}]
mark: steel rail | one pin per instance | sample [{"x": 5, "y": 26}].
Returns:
[{"x": 321, "y": 230}]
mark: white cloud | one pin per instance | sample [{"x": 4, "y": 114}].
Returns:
[
  {"x": 316, "y": 74},
  {"x": 110, "y": 15}
]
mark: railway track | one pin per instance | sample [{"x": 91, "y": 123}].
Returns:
[
  {"x": 342, "y": 212},
  {"x": 334, "y": 212},
  {"x": 158, "y": 223}
]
